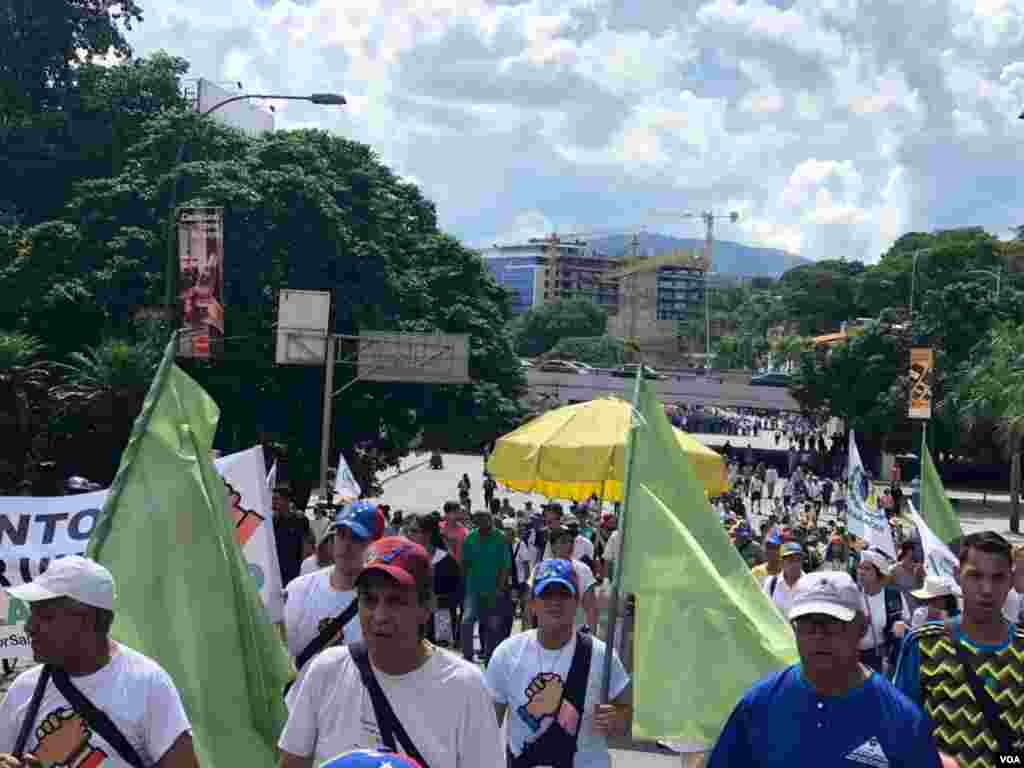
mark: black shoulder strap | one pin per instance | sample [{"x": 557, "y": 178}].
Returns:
[
  {"x": 575, "y": 691},
  {"x": 771, "y": 589},
  {"x": 327, "y": 634},
  {"x": 32, "y": 712},
  {"x": 989, "y": 709},
  {"x": 388, "y": 723},
  {"x": 96, "y": 718}
]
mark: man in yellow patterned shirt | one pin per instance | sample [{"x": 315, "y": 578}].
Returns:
[{"x": 934, "y": 668}]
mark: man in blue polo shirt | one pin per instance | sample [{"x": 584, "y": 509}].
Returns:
[{"x": 829, "y": 709}]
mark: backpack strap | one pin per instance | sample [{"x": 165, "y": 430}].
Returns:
[
  {"x": 327, "y": 634},
  {"x": 388, "y": 723},
  {"x": 97, "y": 719},
  {"x": 771, "y": 588},
  {"x": 32, "y": 712}
]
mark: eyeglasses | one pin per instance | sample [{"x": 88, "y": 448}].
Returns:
[{"x": 808, "y": 627}]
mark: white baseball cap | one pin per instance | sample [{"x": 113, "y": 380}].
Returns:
[
  {"x": 832, "y": 593},
  {"x": 73, "y": 576}
]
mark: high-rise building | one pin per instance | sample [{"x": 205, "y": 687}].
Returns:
[{"x": 544, "y": 270}]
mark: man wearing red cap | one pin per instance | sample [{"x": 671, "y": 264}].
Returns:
[{"x": 394, "y": 690}]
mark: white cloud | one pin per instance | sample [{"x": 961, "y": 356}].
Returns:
[{"x": 832, "y": 125}]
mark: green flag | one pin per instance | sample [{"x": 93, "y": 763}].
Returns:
[
  {"x": 936, "y": 509},
  {"x": 704, "y": 631},
  {"x": 185, "y": 596}
]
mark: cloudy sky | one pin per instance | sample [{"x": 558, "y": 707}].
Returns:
[{"x": 831, "y": 126}]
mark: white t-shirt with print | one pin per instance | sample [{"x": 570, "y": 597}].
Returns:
[
  {"x": 780, "y": 592},
  {"x": 521, "y": 659},
  {"x": 310, "y": 601},
  {"x": 133, "y": 690},
  {"x": 444, "y": 706}
]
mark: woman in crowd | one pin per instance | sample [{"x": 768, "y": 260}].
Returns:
[
  {"x": 883, "y": 607},
  {"x": 426, "y": 531}
]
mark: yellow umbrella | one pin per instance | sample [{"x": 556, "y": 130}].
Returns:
[{"x": 579, "y": 450}]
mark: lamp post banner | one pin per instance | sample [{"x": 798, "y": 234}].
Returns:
[
  {"x": 201, "y": 281},
  {"x": 34, "y": 530},
  {"x": 922, "y": 362}
]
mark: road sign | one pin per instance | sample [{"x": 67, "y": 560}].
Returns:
[
  {"x": 302, "y": 321},
  {"x": 414, "y": 357}
]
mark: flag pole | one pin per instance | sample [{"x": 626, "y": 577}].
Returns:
[{"x": 613, "y": 609}]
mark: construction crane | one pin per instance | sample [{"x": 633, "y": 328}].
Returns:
[{"x": 708, "y": 218}]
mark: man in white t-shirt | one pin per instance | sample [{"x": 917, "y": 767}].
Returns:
[
  {"x": 548, "y": 681},
  {"x": 582, "y": 547},
  {"x": 563, "y": 543},
  {"x": 440, "y": 710},
  {"x": 323, "y": 533},
  {"x": 71, "y": 611},
  {"x": 781, "y": 587},
  {"x": 314, "y": 600}
]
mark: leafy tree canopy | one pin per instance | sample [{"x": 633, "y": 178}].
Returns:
[{"x": 541, "y": 328}]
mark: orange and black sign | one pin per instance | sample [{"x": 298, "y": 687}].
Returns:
[{"x": 922, "y": 363}]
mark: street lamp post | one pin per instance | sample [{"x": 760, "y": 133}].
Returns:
[{"x": 324, "y": 99}]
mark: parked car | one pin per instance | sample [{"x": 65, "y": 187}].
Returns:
[
  {"x": 560, "y": 366},
  {"x": 628, "y": 371},
  {"x": 525, "y": 364},
  {"x": 771, "y": 379}
]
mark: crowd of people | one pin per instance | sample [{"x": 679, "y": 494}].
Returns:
[
  {"x": 402, "y": 632},
  {"x": 890, "y": 658}
]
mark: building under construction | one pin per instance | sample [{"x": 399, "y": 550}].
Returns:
[
  {"x": 552, "y": 268},
  {"x": 655, "y": 294}
]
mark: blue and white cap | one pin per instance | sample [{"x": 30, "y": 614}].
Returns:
[
  {"x": 550, "y": 572},
  {"x": 370, "y": 758},
  {"x": 362, "y": 518}
]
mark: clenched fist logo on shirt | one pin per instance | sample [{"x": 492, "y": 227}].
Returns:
[
  {"x": 63, "y": 741},
  {"x": 545, "y": 700}
]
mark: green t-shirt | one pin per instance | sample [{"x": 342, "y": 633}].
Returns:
[{"x": 482, "y": 558}]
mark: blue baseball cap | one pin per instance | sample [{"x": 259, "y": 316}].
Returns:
[
  {"x": 551, "y": 572},
  {"x": 370, "y": 758},
  {"x": 362, "y": 518}
]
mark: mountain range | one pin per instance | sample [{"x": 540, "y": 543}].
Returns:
[{"x": 727, "y": 257}]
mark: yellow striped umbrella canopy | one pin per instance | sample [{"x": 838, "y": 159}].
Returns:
[{"x": 579, "y": 450}]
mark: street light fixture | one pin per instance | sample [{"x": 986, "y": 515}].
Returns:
[{"x": 322, "y": 99}]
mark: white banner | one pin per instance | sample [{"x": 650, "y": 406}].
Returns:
[
  {"x": 864, "y": 516},
  {"x": 939, "y": 560},
  {"x": 34, "y": 530}
]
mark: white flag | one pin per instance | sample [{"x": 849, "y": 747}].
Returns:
[
  {"x": 345, "y": 484},
  {"x": 864, "y": 517},
  {"x": 939, "y": 560}
]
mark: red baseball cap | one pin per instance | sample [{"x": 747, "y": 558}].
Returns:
[{"x": 403, "y": 560}]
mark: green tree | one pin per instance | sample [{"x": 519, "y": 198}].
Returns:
[
  {"x": 303, "y": 210},
  {"x": 821, "y": 296},
  {"x": 541, "y": 328},
  {"x": 599, "y": 351},
  {"x": 863, "y": 381},
  {"x": 992, "y": 392},
  {"x": 24, "y": 379},
  {"x": 55, "y": 127}
]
